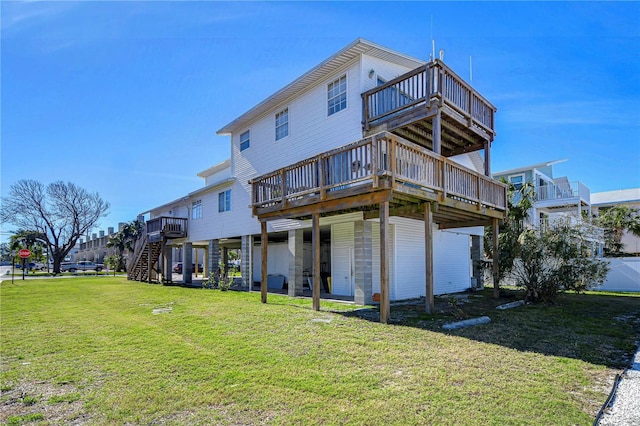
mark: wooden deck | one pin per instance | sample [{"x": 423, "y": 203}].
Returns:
[
  {"x": 407, "y": 105},
  {"x": 377, "y": 169}
]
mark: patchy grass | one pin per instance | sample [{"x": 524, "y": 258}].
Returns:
[{"x": 91, "y": 350}]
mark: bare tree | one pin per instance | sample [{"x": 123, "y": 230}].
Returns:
[{"x": 60, "y": 212}]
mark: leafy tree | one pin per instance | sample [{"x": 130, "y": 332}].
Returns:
[
  {"x": 519, "y": 201},
  {"x": 556, "y": 259},
  {"x": 124, "y": 240},
  {"x": 615, "y": 221},
  {"x": 60, "y": 212}
]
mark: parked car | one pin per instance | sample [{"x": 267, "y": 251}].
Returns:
[
  {"x": 83, "y": 265},
  {"x": 30, "y": 265},
  {"x": 177, "y": 268}
]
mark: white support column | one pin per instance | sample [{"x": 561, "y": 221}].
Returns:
[
  {"x": 167, "y": 270},
  {"x": 187, "y": 261},
  {"x": 363, "y": 255},
  {"x": 295, "y": 255},
  {"x": 246, "y": 264},
  {"x": 213, "y": 257}
]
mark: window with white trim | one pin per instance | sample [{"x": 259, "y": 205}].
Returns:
[
  {"x": 282, "y": 124},
  {"x": 245, "y": 141},
  {"x": 517, "y": 181},
  {"x": 337, "y": 95},
  {"x": 196, "y": 209},
  {"x": 224, "y": 201}
]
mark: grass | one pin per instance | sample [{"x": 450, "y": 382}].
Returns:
[{"x": 91, "y": 350}]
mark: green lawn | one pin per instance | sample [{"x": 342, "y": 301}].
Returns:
[{"x": 104, "y": 350}]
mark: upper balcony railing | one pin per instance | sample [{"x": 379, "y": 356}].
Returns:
[
  {"x": 169, "y": 227},
  {"x": 563, "y": 191},
  {"x": 406, "y": 164},
  {"x": 433, "y": 80}
]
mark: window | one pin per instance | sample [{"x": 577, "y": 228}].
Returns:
[
  {"x": 337, "y": 95},
  {"x": 245, "y": 141},
  {"x": 282, "y": 124},
  {"x": 196, "y": 209},
  {"x": 224, "y": 201},
  {"x": 517, "y": 181}
]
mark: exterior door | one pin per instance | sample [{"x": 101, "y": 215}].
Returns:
[{"x": 342, "y": 272}]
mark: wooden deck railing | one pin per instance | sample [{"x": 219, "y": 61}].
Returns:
[
  {"x": 367, "y": 161},
  {"x": 168, "y": 226},
  {"x": 434, "y": 80}
]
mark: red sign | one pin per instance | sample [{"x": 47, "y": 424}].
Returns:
[{"x": 24, "y": 253}]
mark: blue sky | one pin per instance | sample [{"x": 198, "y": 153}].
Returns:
[{"x": 125, "y": 98}]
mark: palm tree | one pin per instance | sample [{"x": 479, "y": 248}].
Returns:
[
  {"x": 616, "y": 220},
  {"x": 124, "y": 239}
]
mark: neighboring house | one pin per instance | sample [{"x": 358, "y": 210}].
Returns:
[
  {"x": 621, "y": 197},
  {"x": 94, "y": 247},
  {"x": 557, "y": 199},
  {"x": 342, "y": 169}
]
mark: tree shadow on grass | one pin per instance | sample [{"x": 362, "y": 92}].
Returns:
[{"x": 599, "y": 329}]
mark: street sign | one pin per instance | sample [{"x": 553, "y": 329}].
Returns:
[{"x": 24, "y": 253}]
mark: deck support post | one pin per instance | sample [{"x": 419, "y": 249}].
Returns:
[
  {"x": 315, "y": 253},
  {"x": 487, "y": 158},
  {"x": 428, "y": 258},
  {"x": 263, "y": 270},
  {"x": 385, "y": 306},
  {"x": 496, "y": 258},
  {"x": 437, "y": 131},
  {"x": 295, "y": 255},
  {"x": 246, "y": 263}
]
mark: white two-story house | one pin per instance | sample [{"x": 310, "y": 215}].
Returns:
[{"x": 366, "y": 177}]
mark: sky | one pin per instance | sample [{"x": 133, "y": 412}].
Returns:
[{"x": 125, "y": 98}]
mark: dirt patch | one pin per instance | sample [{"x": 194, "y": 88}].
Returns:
[{"x": 52, "y": 404}]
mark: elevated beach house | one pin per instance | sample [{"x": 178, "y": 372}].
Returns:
[{"x": 368, "y": 176}]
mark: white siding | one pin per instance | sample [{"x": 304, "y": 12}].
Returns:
[
  {"x": 218, "y": 176},
  {"x": 311, "y": 131},
  {"x": 381, "y": 69},
  {"x": 342, "y": 245},
  {"x": 375, "y": 263},
  {"x": 409, "y": 253},
  {"x": 277, "y": 260},
  {"x": 451, "y": 262}
]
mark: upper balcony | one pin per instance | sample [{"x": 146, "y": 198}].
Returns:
[
  {"x": 166, "y": 227},
  {"x": 407, "y": 104},
  {"x": 380, "y": 168},
  {"x": 562, "y": 193}
]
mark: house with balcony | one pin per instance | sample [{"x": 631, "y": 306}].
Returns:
[
  {"x": 367, "y": 176},
  {"x": 556, "y": 199}
]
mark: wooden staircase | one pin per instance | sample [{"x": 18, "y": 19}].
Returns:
[{"x": 144, "y": 264}]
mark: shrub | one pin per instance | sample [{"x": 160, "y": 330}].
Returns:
[{"x": 555, "y": 260}]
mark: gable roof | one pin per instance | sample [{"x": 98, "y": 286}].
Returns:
[
  {"x": 327, "y": 67},
  {"x": 525, "y": 168}
]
